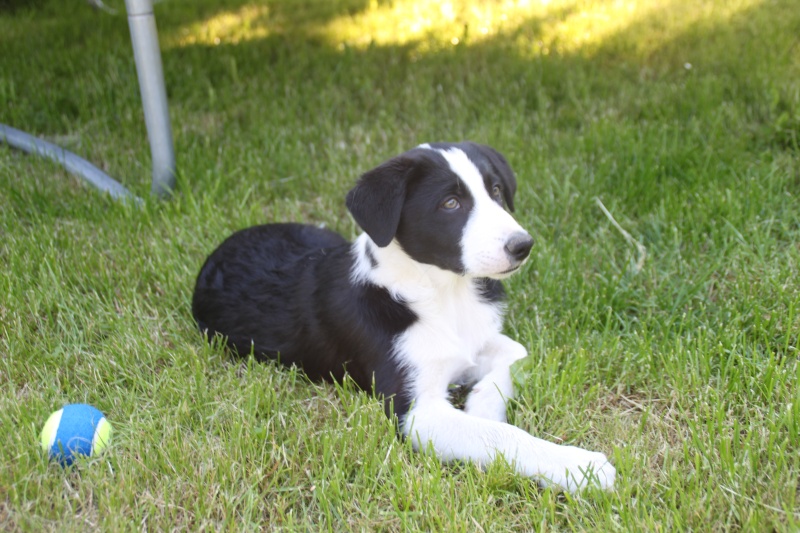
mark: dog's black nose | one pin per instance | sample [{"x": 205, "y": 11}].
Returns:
[{"x": 519, "y": 245}]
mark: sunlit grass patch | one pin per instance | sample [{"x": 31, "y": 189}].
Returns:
[
  {"x": 541, "y": 26},
  {"x": 246, "y": 23}
]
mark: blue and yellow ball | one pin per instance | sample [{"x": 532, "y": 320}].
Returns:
[{"x": 75, "y": 429}]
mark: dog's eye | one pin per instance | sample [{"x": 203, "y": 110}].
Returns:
[
  {"x": 451, "y": 204},
  {"x": 497, "y": 192}
]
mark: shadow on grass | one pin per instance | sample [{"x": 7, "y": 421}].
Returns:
[
  {"x": 511, "y": 89},
  {"x": 449, "y": 91},
  {"x": 508, "y": 66}
]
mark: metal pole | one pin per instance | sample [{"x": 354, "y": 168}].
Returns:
[{"x": 147, "y": 55}]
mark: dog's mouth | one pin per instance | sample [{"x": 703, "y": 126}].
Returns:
[
  {"x": 515, "y": 267},
  {"x": 488, "y": 270},
  {"x": 508, "y": 272},
  {"x": 511, "y": 271}
]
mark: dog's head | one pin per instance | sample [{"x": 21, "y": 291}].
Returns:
[{"x": 445, "y": 205}]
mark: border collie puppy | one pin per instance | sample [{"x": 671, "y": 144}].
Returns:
[{"x": 413, "y": 305}]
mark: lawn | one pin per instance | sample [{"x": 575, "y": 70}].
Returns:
[{"x": 657, "y": 149}]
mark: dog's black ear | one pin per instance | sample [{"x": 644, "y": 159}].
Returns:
[
  {"x": 377, "y": 199},
  {"x": 503, "y": 171}
]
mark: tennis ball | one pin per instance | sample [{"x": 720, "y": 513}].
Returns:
[{"x": 75, "y": 429}]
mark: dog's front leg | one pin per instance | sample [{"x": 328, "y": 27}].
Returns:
[
  {"x": 494, "y": 386},
  {"x": 457, "y": 436}
]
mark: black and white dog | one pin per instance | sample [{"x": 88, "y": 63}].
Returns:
[{"x": 412, "y": 306}]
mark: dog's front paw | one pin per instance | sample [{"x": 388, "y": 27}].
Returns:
[
  {"x": 579, "y": 468},
  {"x": 486, "y": 403}
]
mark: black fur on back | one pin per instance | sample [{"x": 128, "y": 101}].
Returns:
[{"x": 283, "y": 291}]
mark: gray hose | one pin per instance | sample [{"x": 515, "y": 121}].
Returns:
[{"x": 73, "y": 163}]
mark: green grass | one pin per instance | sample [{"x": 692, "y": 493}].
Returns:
[{"x": 682, "y": 118}]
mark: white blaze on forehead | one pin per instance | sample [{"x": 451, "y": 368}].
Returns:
[{"x": 465, "y": 169}]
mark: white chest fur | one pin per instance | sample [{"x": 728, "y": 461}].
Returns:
[
  {"x": 454, "y": 326},
  {"x": 454, "y": 321}
]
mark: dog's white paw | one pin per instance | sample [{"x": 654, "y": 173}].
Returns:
[
  {"x": 577, "y": 469},
  {"x": 486, "y": 403}
]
